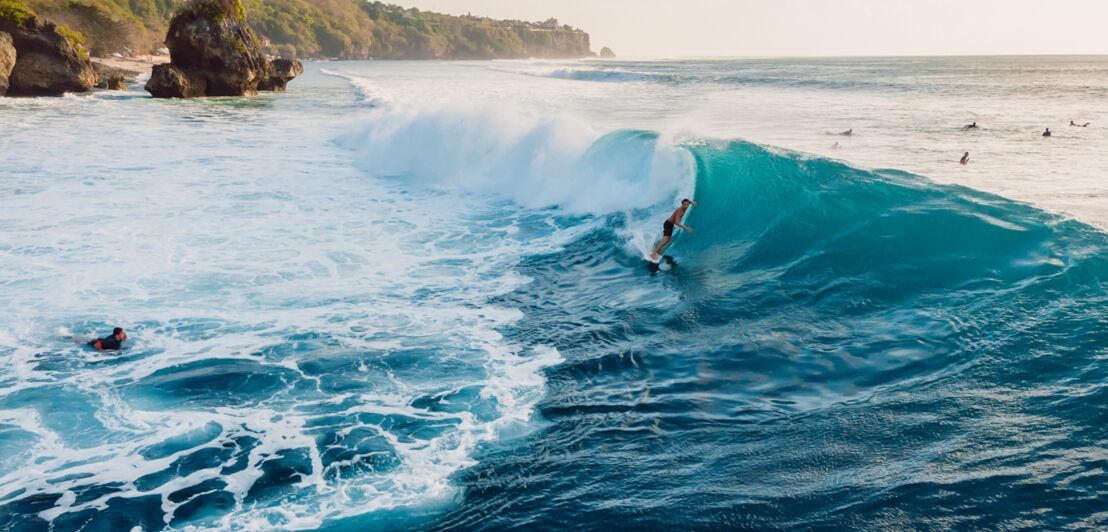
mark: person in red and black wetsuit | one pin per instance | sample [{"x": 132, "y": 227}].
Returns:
[{"x": 111, "y": 342}]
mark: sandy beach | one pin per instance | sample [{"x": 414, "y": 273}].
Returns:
[{"x": 139, "y": 64}]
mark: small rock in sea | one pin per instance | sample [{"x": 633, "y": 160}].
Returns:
[
  {"x": 114, "y": 82},
  {"x": 281, "y": 71}
]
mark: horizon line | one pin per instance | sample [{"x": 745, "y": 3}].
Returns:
[{"x": 647, "y": 57}]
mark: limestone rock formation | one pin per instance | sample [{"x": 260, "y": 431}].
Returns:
[
  {"x": 607, "y": 53},
  {"x": 281, "y": 72},
  {"x": 47, "y": 62},
  {"x": 7, "y": 61},
  {"x": 213, "y": 52}
]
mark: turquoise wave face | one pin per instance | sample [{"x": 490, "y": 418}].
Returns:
[
  {"x": 887, "y": 270},
  {"x": 886, "y": 235},
  {"x": 842, "y": 348}
]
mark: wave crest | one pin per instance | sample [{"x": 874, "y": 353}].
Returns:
[{"x": 534, "y": 161}]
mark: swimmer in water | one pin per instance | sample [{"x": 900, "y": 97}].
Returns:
[
  {"x": 847, "y": 133},
  {"x": 111, "y": 342},
  {"x": 972, "y": 126},
  {"x": 1047, "y": 132},
  {"x": 965, "y": 159}
]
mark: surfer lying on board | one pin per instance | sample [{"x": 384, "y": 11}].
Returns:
[
  {"x": 111, "y": 342},
  {"x": 667, "y": 227}
]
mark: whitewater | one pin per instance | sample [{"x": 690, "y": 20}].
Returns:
[{"x": 409, "y": 295}]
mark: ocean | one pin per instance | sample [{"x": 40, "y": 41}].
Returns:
[{"x": 412, "y": 296}]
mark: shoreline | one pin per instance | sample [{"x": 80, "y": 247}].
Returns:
[{"x": 131, "y": 66}]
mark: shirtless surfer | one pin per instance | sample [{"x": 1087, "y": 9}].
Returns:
[{"x": 667, "y": 227}]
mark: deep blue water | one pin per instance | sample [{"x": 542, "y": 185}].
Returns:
[
  {"x": 413, "y": 296},
  {"x": 854, "y": 350}
]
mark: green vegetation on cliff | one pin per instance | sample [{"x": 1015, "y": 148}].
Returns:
[
  {"x": 217, "y": 10},
  {"x": 18, "y": 15},
  {"x": 349, "y": 29},
  {"x": 76, "y": 38},
  {"x": 109, "y": 25},
  {"x": 413, "y": 34},
  {"x": 15, "y": 14}
]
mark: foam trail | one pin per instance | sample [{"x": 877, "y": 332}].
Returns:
[{"x": 371, "y": 94}]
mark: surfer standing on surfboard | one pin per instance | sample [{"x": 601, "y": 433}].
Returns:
[{"x": 667, "y": 227}]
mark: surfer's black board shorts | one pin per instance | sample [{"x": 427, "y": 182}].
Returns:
[{"x": 667, "y": 228}]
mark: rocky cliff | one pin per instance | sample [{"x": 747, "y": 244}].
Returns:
[
  {"x": 400, "y": 33},
  {"x": 49, "y": 60},
  {"x": 347, "y": 29}
]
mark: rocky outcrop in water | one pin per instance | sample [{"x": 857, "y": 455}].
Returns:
[
  {"x": 113, "y": 82},
  {"x": 281, "y": 71},
  {"x": 168, "y": 81},
  {"x": 47, "y": 62},
  {"x": 607, "y": 53},
  {"x": 213, "y": 52},
  {"x": 7, "y": 61}
]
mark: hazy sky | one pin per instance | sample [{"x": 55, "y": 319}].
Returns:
[{"x": 658, "y": 28}]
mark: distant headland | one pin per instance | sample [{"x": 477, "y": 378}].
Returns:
[{"x": 339, "y": 29}]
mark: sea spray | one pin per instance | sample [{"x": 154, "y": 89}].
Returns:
[{"x": 533, "y": 160}]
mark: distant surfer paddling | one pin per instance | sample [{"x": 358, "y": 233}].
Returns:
[{"x": 667, "y": 227}]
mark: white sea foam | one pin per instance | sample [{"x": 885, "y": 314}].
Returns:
[
  {"x": 599, "y": 73},
  {"x": 512, "y": 383},
  {"x": 534, "y": 160},
  {"x": 222, "y": 263},
  {"x": 371, "y": 95},
  {"x": 249, "y": 256}
]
